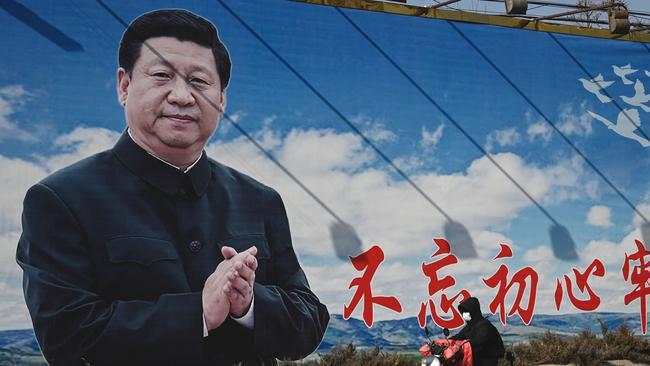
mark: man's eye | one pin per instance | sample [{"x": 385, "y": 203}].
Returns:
[
  {"x": 161, "y": 75},
  {"x": 198, "y": 81}
]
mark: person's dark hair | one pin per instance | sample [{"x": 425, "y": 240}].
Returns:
[{"x": 180, "y": 24}]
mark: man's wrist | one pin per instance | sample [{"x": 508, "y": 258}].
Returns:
[
  {"x": 205, "y": 326},
  {"x": 248, "y": 319}
]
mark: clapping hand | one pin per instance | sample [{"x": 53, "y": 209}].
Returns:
[
  {"x": 229, "y": 289},
  {"x": 239, "y": 288}
]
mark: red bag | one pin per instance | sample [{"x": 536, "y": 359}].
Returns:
[{"x": 458, "y": 352}]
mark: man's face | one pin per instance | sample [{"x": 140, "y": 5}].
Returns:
[{"x": 165, "y": 112}]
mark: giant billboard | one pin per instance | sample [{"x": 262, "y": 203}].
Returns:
[{"x": 420, "y": 161}]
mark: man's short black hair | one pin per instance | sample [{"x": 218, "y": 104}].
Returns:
[{"x": 180, "y": 24}]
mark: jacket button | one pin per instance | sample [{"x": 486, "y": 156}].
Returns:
[{"x": 195, "y": 246}]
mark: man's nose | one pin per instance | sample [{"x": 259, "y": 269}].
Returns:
[{"x": 181, "y": 93}]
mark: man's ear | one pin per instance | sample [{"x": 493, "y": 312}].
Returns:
[
  {"x": 223, "y": 103},
  {"x": 123, "y": 82}
]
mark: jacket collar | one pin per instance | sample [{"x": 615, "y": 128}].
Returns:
[{"x": 160, "y": 174}]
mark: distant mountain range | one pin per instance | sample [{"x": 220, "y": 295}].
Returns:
[
  {"x": 389, "y": 335},
  {"x": 19, "y": 347},
  {"x": 406, "y": 334}
]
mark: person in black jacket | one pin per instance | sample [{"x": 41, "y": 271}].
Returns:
[
  {"x": 152, "y": 253},
  {"x": 487, "y": 346}
]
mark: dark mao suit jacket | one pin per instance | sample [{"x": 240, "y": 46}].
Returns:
[{"x": 116, "y": 248}]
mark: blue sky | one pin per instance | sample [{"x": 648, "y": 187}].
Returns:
[{"x": 59, "y": 106}]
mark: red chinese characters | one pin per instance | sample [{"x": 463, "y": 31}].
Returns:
[
  {"x": 368, "y": 262},
  {"x": 574, "y": 285},
  {"x": 597, "y": 269},
  {"x": 638, "y": 275},
  {"x": 500, "y": 279},
  {"x": 440, "y": 284}
]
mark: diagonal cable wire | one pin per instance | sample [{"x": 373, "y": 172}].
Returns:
[
  {"x": 232, "y": 122},
  {"x": 320, "y": 96},
  {"x": 447, "y": 115}
]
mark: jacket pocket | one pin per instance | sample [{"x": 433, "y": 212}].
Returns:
[
  {"x": 140, "y": 250},
  {"x": 142, "y": 268}
]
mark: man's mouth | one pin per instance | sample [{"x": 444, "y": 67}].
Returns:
[{"x": 180, "y": 118}]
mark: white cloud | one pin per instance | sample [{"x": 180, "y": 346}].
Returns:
[
  {"x": 571, "y": 180},
  {"x": 542, "y": 253},
  {"x": 577, "y": 123},
  {"x": 374, "y": 129},
  {"x": 539, "y": 130},
  {"x": 612, "y": 287},
  {"x": 225, "y": 125},
  {"x": 80, "y": 143},
  {"x": 321, "y": 151},
  {"x": 14, "y": 93},
  {"x": 23, "y": 175},
  {"x": 541, "y": 259},
  {"x": 429, "y": 140},
  {"x": 267, "y": 138},
  {"x": 644, "y": 209},
  {"x": 487, "y": 246},
  {"x": 268, "y": 121},
  {"x": 421, "y": 159},
  {"x": 13, "y": 311},
  {"x": 13, "y": 97},
  {"x": 503, "y": 138},
  {"x": 352, "y": 181},
  {"x": 600, "y": 216},
  {"x": 10, "y": 275},
  {"x": 410, "y": 163},
  {"x": 608, "y": 252}
]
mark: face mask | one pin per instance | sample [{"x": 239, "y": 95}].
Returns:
[{"x": 467, "y": 317}]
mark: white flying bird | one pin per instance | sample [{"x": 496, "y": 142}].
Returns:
[
  {"x": 623, "y": 71},
  {"x": 627, "y": 122},
  {"x": 595, "y": 85},
  {"x": 639, "y": 98}
]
